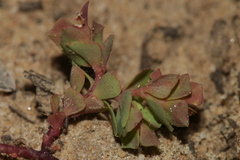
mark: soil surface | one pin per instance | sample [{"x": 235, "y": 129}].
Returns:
[{"x": 201, "y": 38}]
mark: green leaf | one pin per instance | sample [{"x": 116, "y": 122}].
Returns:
[
  {"x": 131, "y": 140},
  {"x": 125, "y": 105},
  {"x": 178, "y": 111},
  {"x": 120, "y": 129},
  {"x": 73, "y": 102},
  {"x": 140, "y": 80},
  {"x": 158, "y": 111},
  {"x": 147, "y": 115},
  {"x": 54, "y": 101},
  {"x": 73, "y": 56},
  {"x": 183, "y": 88},
  {"x": 107, "y": 48},
  {"x": 72, "y": 34},
  {"x": 97, "y": 33},
  {"x": 107, "y": 87},
  {"x": 135, "y": 118},
  {"x": 113, "y": 118},
  {"x": 89, "y": 51},
  {"x": 77, "y": 78},
  {"x": 148, "y": 136},
  {"x": 162, "y": 87}
]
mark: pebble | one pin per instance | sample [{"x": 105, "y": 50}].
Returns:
[
  {"x": 141, "y": 157},
  {"x": 121, "y": 153}
]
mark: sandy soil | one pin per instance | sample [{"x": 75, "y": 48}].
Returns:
[{"x": 198, "y": 37}]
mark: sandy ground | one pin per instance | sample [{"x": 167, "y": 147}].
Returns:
[{"x": 178, "y": 36}]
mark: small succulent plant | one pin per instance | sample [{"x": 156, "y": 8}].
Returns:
[
  {"x": 147, "y": 102},
  {"x": 150, "y": 100}
]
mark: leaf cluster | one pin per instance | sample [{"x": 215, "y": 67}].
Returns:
[{"x": 149, "y": 101}]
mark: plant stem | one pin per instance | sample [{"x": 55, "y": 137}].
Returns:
[
  {"x": 56, "y": 122},
  {"x": 49, "y": 138},
  {"x": 99, "y": 72},
  {"x": 17, "y": 151}
]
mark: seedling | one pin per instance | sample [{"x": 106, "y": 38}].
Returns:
[{"x": 147, "y": 102}]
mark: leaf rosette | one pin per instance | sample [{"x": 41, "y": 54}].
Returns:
[{"x": 150, "y": 100}]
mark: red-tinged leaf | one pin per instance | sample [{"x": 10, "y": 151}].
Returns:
[
  {"x": 56, "y": 120},
  {"x": 84, "y": 13},
  {"x": 94, "y": 105},
  {"x": 196, "y": 98},
  {"x": 107, "y": 87},
  {"x": 74, "y": 33},
  {"x": 135, "y": 118},
  {"x": 183, "y": 88},
  {"x": 54, "y": 101},
  {"x": 140, "y": 80},
  {"x": 107, "y": 48},
  {"x": 89, "y": 51},
  {"x": 97, "y": 33},
  {"x": 131, "y": 140},
  {"x": 55, "y": 32},
  {"x": 148, "y": 136},
  {"x": 73, "y": 102},
  {"x": 156, "y": 74},
  {"x": 77, "y": 78},
  {"x": 178, "y": 111},
  {"x": 125, "y": 106},
  {"x": 159, "y": 112},
  {"x": 162, "y": 87}
]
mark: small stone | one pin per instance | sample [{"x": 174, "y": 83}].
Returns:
[
  {"x": 121, "y": 153},
  {"x": 7, "y": 83},
  {"x": 141, "y": 157}
]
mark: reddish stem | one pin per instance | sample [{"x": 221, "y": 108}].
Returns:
[
  {"x": 99, "y": 72},
  {"x": 48, "y": 139},
  {"x": 138, "y": 92},
  {"x": 56, "y": 122},
  {"x": 17, "y": 151}
]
